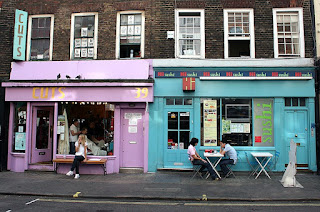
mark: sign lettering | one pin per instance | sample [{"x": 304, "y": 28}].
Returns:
[
  {"x": 20, "y": 32},
  {"x": 144, "y": 91},
  {"x": 47, "y": 92}
]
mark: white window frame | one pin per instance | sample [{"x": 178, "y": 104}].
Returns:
[
  {"x": 142, "y": 32},
  {"x": 301, "y": 31},
  {"x": 251, "y": 31},
  {"x": 29, "y": 34},
  {"x": 202, "y": 36},
  {"x": 95, "y": 33}
]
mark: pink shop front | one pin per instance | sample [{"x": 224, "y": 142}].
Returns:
[{"x": 109, "y": 99}]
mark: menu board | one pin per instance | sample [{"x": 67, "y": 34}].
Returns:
[
  {"x": 240, "y": 127},
  {"x": 210, "y": 122}
]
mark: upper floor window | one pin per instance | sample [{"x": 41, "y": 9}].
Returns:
[
  {"x": 190, "y": 37},
  {"x": 288, "y": 32},
  {"x": 130, "y": 34},
  {"x": 40, "y": 37},
  {"x": 84, "y": 36},
  {"x": 239, "y": 33}
]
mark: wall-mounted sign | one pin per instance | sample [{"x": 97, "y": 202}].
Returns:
[
  {"x": 20, "y": 32},
  {"x": 189, "y": 84},
  {"x": 218, "y": 73},
  {"x": 210, "y": 122}
]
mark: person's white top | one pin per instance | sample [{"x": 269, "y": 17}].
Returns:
[
  {"x": 81, "y": 149},
  {"x": 231, "y": 152},
  {"x": 261, "y": 154},
  {"x": 191, "y": 151},
  {"x": 73, "y": 138}
]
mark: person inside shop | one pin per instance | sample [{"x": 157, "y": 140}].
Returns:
[
  {"x": 227, "y": 150},
  {"x": 81, "y": 155},
  {"x": 195, "y": 158},
  {"x": 93, "y": 135},
  {"x": 74, "y": 133},
  {"x": 92, "y": 147}
]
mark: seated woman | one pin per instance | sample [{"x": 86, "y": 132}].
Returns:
[{"x": 195, "y": 158}]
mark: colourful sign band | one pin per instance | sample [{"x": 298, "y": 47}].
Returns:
[
  {"x": 201, "y": 73},
  {"x": 20, "y": 33}
]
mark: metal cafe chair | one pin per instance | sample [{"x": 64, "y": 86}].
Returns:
[
  {"x": 252, "y": 164},
  {"x": 196, "y": 170},
  {"x": 230, "y": 172},
  {"x": 272, "y": 163}
]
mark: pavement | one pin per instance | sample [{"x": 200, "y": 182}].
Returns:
[{"x": 162, "y": 185}]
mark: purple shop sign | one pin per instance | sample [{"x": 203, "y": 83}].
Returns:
[{"x": 95, "y": 94}]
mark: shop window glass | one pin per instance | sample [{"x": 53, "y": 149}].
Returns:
[
  {"x": 19, "y": 127},
  {"x": 295, "y": 102},
  {"x": 237, "y": 121},
  {"x": 43, "y": 124},
  {"x": 178, "y": 130},
  {"x": 96, "y": 120},
  {"x": 178, "y": 101}
]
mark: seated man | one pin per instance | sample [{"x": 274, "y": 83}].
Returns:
[
  {"x": 96, "y": 150},
  {"x": 227, "y": 149},
  {"x": 195, "y": 158}
]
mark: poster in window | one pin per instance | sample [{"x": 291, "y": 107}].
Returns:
[
  {"x": 90, "y": 42},
  {"x": 263, "y": 122},
  {"x": 137, "y": 30},
  {"x": 84, "y": 42},
  {"x": 84, "y": 31},
  {"x": 130, "y": 19},
  {"x": 77, "y": 53},
  {"x": 77, "y": 43},
  {"x": 20, "y": 141},
  {"x": 90, "y": 52},
  {"x": 210, "y": 134},
  {"x": 226, "y": 126},
  {"x": 130, "y": 30},
  {"x": 123, "y": 30},
  {"x": 84, "y": 52}
]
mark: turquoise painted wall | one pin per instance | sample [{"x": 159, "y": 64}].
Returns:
[{"x": 223, "y": 89}]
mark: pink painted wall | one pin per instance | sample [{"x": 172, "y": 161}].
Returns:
[{"x": 93, "y": 69}]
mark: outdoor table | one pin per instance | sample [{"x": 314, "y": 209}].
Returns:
[
  {"x": 265, "y": 157},
  {"x": 218, "y": 157}
]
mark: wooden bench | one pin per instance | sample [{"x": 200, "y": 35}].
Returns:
[{"x": 101, "y": 162}]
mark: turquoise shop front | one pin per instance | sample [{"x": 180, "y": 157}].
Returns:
[{"x": 255, "y": 109}]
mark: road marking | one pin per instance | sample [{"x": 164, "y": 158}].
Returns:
[
  {"x": 186, "y": 204},
  {"x": 108, "y": 202},
  {"x": 8, "y": 211},
  {"x": 28, "y": 203},
  {"x": 76, "y": 194}
]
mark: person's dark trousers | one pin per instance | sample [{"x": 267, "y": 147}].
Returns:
[
  {"x": 72, "y": 148},
  {"x": 206, "y": 165},
  {"x": 76, "y": 162},
  {"x": 223, "y": 165}
]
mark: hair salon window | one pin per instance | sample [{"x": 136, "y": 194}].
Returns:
[
  {"x": 130, "y": 34},
  {"x": 96, "y": 120},
  {"x": 84, "y": 36},
  {"x": 19, "y": 127}
]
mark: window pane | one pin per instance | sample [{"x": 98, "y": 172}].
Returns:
[
  {"x": 172, "y": 139},
  {"x": 187, "y": 101},
  {"x": 169, "y": 101},
  {"x": 172, "y": 120},
  {"x": 184, "y": 120},
  {"x": 178, "y": 101},
  {"x": 295, "y": 102},
  {"x": 287, "y": 102},
  {"x": 184, "y": 139},
  {"x": 302, "y": 102},
  {"x": 19, "y": 127}
]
